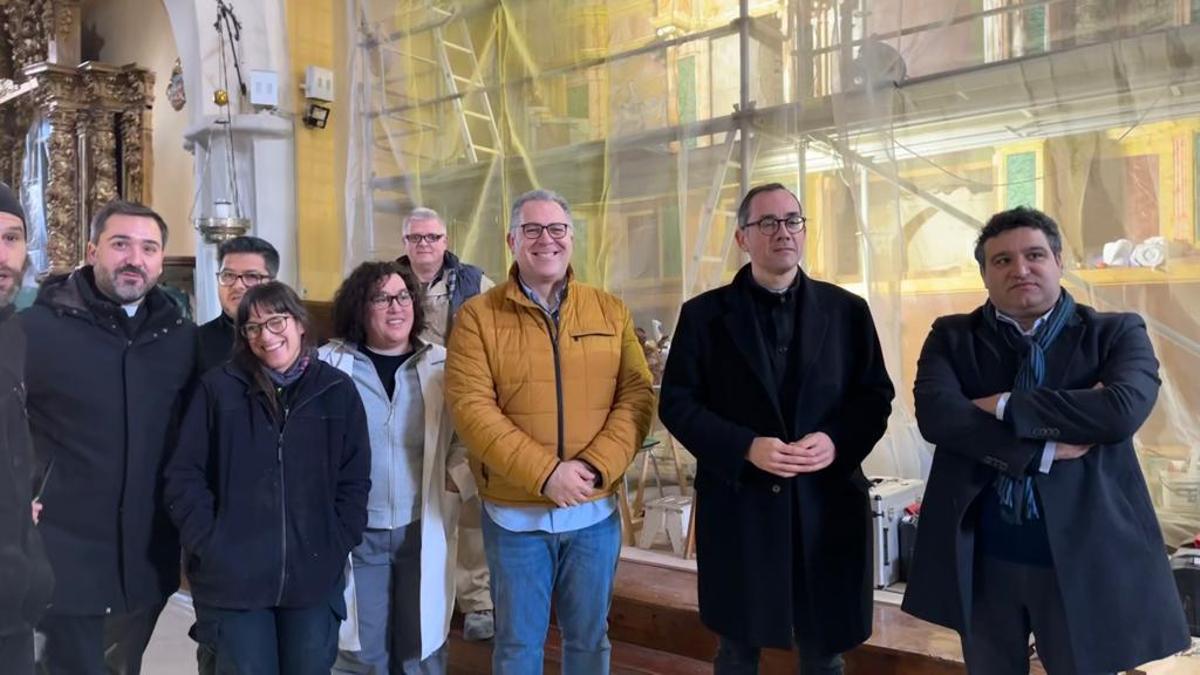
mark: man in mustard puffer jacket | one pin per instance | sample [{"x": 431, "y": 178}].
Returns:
[{"x": 550, "y": 391}]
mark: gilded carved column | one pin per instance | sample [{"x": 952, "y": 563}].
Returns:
[
  {"x": 137, "y": 86},
  {"x": 101, "y": 147},
  {"x": 8, "y": 149},
  {"x": 98, "y": 139},
  {"x": 132, "y": 156},
  {"x": 62, "y": 192}
]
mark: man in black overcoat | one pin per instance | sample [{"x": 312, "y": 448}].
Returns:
[
  {"x": 776, "y": 383},
  {"x": 110, "y": 359},
  {"x": 1036, "y": 518}
]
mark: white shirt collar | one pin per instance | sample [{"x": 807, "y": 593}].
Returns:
[{"x": 1036, "y": 324}]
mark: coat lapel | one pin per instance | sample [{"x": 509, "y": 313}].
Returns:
[
  {"x": 993, "y": 344},
  {"x": 743, "y": 329},
  {"x": 1062, "y": 351},
  {"x": 812, "y": 324}
]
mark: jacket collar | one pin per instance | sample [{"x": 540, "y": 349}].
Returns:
[
  {"x": 76, "y": 294},
  {"x": 342, "y": 354},
  {"x": 514, "y": 293},
  {"x": 450, "y": 263}
]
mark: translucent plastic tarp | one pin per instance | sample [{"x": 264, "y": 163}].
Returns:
[{"x": 902, "y": 125}]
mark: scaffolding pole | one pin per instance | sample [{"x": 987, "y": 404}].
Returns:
[{"x": 745, "y": 105}]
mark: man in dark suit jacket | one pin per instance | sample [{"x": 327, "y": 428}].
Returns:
[
  {"x": 776, "y": 384},
  {"x": 245, "y": 263},
  {"x": 1036, "y": 517}
]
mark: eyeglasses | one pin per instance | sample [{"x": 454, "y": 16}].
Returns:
[
  {"x": 534, "y": 230},
  {"x": 431, "y": 238},
  {"x": 384, "y": 301},
  {"x": 229, "y": 278},
  {"x": 769, "y": 225},
  {"x": 275, "y": 324}
]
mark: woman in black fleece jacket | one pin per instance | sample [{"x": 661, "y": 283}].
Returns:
[{"x": 268, "y": 488}]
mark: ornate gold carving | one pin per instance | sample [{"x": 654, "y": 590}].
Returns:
[
  {"x": 94, "y": 102},
  {"x": 7, "y": 159},
  {"x": 67, "y": 14},
  {"x": 132, "y": 155},
  {"x": 102, "y": 159},
  {"x": 61, "y": 193},
  {"x": 25, "y": 27}
]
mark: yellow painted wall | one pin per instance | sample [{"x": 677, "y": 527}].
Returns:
[{"x": 315, "y": 37}]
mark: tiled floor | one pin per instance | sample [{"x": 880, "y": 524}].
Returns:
[{"x": 171, "y": 651}]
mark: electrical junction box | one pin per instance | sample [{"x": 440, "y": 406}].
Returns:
[
  {"x": 264, "y": 88},
  {"x": 318, "y": 83}
]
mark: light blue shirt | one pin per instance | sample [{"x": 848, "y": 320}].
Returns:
[
  {"x": 1050, "y": 447},
  {"x": 552, "y": 519}
]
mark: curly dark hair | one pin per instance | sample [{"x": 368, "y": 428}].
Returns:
[
  {"x": 352, "y": 300},
  {"x": 1021, "y": 216}
]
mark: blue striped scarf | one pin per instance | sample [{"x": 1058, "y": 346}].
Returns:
[{"x": 1017, "y": 498}]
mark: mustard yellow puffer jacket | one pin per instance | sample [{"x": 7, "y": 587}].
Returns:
[{"x": 521, "y": 405}]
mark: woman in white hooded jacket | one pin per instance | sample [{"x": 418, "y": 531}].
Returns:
[{"x": 400, "y": 580}]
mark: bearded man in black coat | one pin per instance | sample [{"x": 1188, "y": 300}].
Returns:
[
  {"x": 25, "y": 578},
  {"x": 110, "y": 360}
]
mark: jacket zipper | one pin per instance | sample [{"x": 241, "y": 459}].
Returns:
[
  {"x": 282, "y": 510},
  {"x": 283, "y": 491},
  {"x": 557, "y": 382}
]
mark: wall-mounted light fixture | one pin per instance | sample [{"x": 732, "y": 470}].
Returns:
[{"x": 316, "y": 116}]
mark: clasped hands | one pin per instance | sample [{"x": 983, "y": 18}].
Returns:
[
  {"x": 811, "y": 453},
  {"x": 573, "y": 482}
]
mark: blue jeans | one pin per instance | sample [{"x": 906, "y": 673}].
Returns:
[
  {"x": 271, "y": 641},
  {"x": 577, "y": 569}
]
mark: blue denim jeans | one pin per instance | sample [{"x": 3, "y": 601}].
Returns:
[
  {"x": 271, "y": 641},
  {"x": 528, "y": 569}
]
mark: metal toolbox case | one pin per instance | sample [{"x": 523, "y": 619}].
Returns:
[{"x": 889, "y": 497}]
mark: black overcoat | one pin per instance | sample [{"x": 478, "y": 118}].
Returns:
[
  {"x": 1121, "y": 603},
  {"x": 717, "y": 396}
]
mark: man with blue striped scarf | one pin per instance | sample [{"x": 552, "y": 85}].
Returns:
[{"x": 1036, "y": 518}]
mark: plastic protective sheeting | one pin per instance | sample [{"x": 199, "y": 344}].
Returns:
[
  {"x": 902, "y": 126},
  {"x": 33, "y": 182}
]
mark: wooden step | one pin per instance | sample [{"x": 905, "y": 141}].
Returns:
[
  {"x": 474, "y": 658},
  {"x": 658, "y": 608},
  {"x": 655, "y": 627}
]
